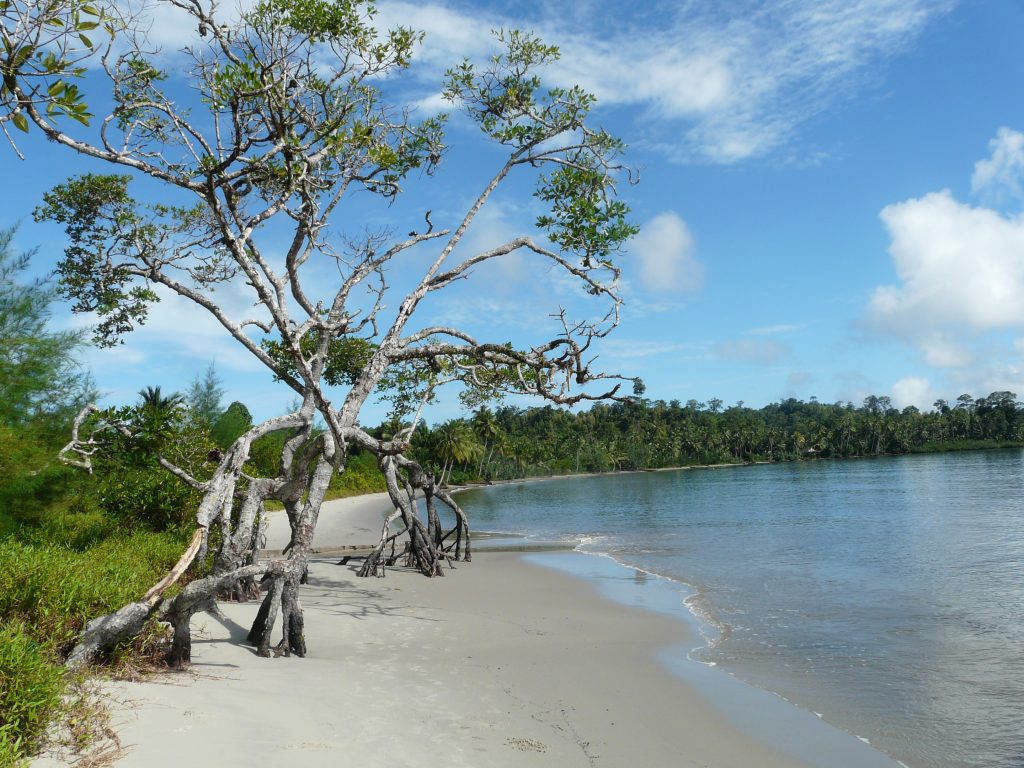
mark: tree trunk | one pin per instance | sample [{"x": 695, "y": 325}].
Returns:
[
  {"x": 294, "y": 640},
  {"x": 461, "y": 521},
  {"x": 263, "y": 626},
  {"x": 239, "y": 546},
  {"x": 181, "y": 646},
  {"x": 433, "y": 520},
  {"x": 422, "y": 552},
  {"x": 283, "y": 594}
]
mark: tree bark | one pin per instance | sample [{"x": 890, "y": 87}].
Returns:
[{"x": 260, "y": 632}]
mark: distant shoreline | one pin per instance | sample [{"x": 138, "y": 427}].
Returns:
[{"x": 952, "y": 448}]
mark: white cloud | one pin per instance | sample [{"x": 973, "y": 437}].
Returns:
[
  {"x": 960, "y": 271},
  {"x": 179, "y": 334},
  {"x": 757, "y": 351},
  {"x": 1001, "y": 173},
  {"x": 958, "y": 266},
  {"x": 721, "y": 85},
  {"x": 769, "y": 330},
  {"x": 913, "y": 391},
  {"x": 433, "y": 104},
  {"x": 664, "y": 250},
  {"x": 634, "y": 349},
  {"x": 169, "y": 28},
  {"x": 496, "y": 224},
  {"x": 715, "y": 84},
  {"x": 941, "y": 351}
]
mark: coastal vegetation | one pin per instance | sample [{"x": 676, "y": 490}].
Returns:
[
  {"x": 77, "y": 545},
  {"x": 236, "y": 171},
  {"x": 638, "y": 434},
  {"x": 120, "y": 523}
]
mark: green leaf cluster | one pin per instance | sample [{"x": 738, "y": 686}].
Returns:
[
  {"x": 105, "y": 232},
  {"x": 42, "y": 47},
  {"x": 346, "y": 357},
  {"x": 584, "y": 217},
  {"x": 505, "y": 98}
]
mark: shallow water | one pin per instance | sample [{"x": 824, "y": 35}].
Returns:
[{"x": 885, "y": 594}]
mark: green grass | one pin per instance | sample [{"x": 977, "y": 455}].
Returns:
[
  {"x": 53, "y": 579},
  {"x": 55, "y": 589},
  {"x": 31, "y": 690}
]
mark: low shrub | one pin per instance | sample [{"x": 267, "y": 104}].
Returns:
[
  {"x": 54, "y": 590},
  {"x": 361, "y": 475},
  {"x": 31, "y": 687},
  {"x": 48, "y": 591}
]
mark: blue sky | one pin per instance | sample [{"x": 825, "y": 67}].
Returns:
[{"x": 830, "y": 197}]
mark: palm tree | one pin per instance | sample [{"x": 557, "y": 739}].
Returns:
[
  {"x": 152, "y": 397},
  {"x": 456, "y": 444},
  {"x": 486, "y": 427}
]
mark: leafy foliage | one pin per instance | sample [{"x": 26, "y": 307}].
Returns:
[
  {"x": 647, "y": 434},
  {"x": 43, "y": 46},
  {"x": 133, "y": 487},
  {"x": 47, "y": 593},
  {"x": 345, "y": 359},
  {"x": 38, "y": 370},
  {"x": 30, "y": 690},
  {"x": 105, "y": 231},
  {"x": 231, "y": 424}
]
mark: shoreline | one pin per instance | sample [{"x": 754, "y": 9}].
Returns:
[
  {"x": 629, "y": 599},
  {"x": 505, "y": 662},
  {"x": 759, "y": 712}
]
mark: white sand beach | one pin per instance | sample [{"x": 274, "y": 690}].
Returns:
[
  {"x": 500, "y": 663},
  {"x": 354, "y": 521}
]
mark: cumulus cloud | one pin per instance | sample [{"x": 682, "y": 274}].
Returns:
[
  {"x": 664, "y": 253},
  {"x": 958, "y": 265},
  {"x": 1000, "y": 174},
  {"x": 720, "y": 84},
  {"x": 960, "y": 270},
  {"x": 757, "y": 351},
  {"x": 913, "y": 391},
  {"x": 179, "y": 334}
]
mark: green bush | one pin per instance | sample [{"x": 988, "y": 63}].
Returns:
[
  {"x": 147, "y": 497},
  {"x": 31, "y": 477},
  {"x": 48, "y": 591},
  {"x": 54, "y": 590},
  {"x": 361, "y": 475},
  {"x": 31, "y": 685}
]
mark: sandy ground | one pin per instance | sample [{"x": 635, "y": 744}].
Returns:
[
  {"x": 355, "y": 521},
  {"x": 502, "y": 663}
]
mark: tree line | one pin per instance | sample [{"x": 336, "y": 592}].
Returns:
[{"x": 510, "y": 442}]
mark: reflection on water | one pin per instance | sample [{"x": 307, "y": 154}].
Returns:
[{"x": 887, "y": 594}]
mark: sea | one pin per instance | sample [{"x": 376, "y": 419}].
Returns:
[{"x": 883, "y": 595}]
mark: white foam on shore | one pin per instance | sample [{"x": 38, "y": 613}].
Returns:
[{"x": 712, "y": 631}]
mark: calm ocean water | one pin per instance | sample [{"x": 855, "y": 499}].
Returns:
[{"x": 885, "y": 594}]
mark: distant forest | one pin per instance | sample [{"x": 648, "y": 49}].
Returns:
[{"x": 511, "y": 442}]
